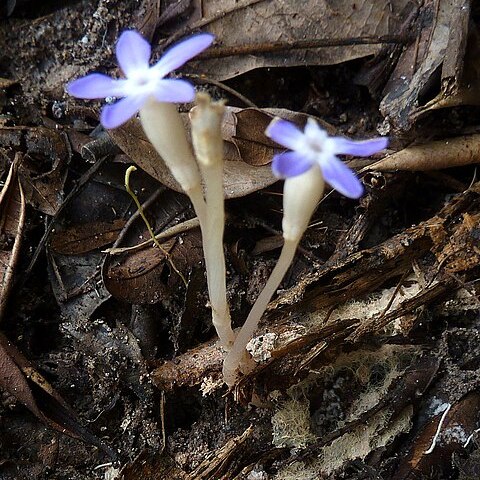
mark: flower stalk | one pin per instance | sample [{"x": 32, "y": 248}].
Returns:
[
  {"x": 300, "y": 197},
  {"x": 164, "y": 128},
  {"x": 206, "y": 119},
  {"x": 305, "y": 169}
]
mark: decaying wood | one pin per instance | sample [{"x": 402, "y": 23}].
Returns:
[
  {"x": 218, "y": 464},
  {"x": 360, "y": 274},
  {"x": 452, "y": 67},
  {"x": 440, "y": 43}
]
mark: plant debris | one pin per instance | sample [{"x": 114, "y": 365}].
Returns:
[{"x": 365, "y": 365}]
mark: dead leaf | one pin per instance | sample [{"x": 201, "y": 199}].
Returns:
[
  {"x": 437, "y": 155},
  {"x": 298, "y": 33},
  {"x": 246, "y": 130},
  {"x": 21, "y": 380},
  {"x": 138, "y": 277},
  {"x": 12, "y": 222},
  {"x": 440, "y": 45},
  {"x": 247, "y": 151},
  {"x": 460, "y": 87},
  {"x": 86, "y": 237}
]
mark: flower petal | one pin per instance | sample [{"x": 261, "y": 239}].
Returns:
[
  {"x": 363, "y": 148},
  {"x": 314, "y": 131},
  {"x": 289, "y": 164},
  {"x": 113, "y": 116},
  {"x": 341, "y": 178},
  {"x": 96, "y": 85},
  {"x": 182, "y": 52},
  {"x": 174, "y": 91},
  {"x": 285, "y": 133},
  {"x": 133, "y": 52}
]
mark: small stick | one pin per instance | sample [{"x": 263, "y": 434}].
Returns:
[
  {"x": 169, "y": 232},
  {"x": 437, "y": 155},
  {"x": 202, "y": 78},
  {"x": 273, "y": 47}
]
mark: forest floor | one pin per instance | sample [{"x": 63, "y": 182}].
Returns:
[{"x": 367, "y": 360}]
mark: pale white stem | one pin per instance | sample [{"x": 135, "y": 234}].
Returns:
[
  {"x": 206, "y": 120},
  {"x": 214, "y": 254},
  {"x": 237, "y": 355},
  {"x": 165, "y": 130},
  {"x": 300, "y": 197}
]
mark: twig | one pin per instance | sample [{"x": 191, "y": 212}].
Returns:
[
  {"x": 231, "y": 91},
  {"x": 162, "y": 421},
  {"x": 170, "y": 232},
  {"x": 273, "y": 47}
]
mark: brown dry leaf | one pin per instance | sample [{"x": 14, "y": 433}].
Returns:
[
  {"x": 21, "y": 380},
  {"x": 13, "y": 381},
  {"x": 465, "y": 90},
  {"x": 247, "y": 150},
  {"x": 85, "y": 237},
  {"x": 134, "y": 277},
  {"x": 447, "y": 433},
  {"x": 246, "y": 130},
  {"x": 138, "y": 277},
  {"x": 12, "y": 221},
  {"x": 152, "y": 467},
  {"x": 454, "y": 152},
  {"x": 44, "y": 190},
  {"x": 298, "y": 33},
  {"x": 441, "y": 45}
]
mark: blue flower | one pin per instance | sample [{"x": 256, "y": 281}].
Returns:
[
  {"x": 142, "y": 81},
  {"x": 314, "y": 148}
]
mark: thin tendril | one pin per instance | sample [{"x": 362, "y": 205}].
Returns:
[{"x": 147, "y": 223}]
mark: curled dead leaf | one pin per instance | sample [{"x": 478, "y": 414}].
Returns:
[
  {"x": 85, "y": 237},
  {"x": 21, "y": 380},
  {"x": 247, "y": 151},
  {"x": 440, "y": 46},
  {"x": 12, "y": 222},
  {"x": 454, "y": 152}
]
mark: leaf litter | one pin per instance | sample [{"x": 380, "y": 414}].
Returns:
[{"x": 366, "y": 362}]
